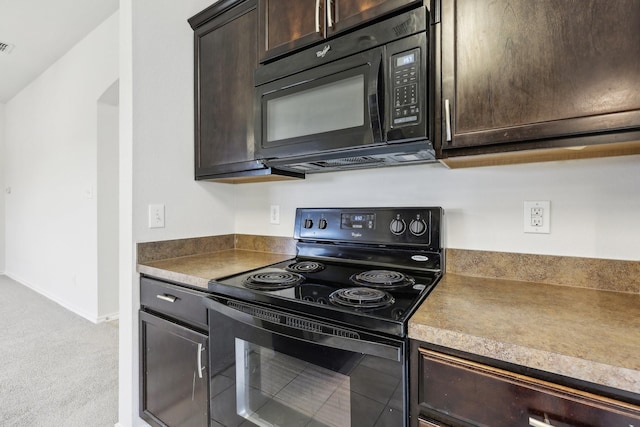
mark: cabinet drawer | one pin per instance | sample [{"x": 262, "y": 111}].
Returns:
[
  {"x": 476, "y": 394},
  {"x": 180, "y": 303}
]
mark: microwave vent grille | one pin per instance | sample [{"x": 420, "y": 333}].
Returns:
[{"x": 349, "y": 161}]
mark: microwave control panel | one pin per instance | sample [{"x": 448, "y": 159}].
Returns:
[{"x": 405, "y": 68}]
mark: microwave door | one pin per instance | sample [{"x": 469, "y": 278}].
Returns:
[{"x": 335, "y": 106}]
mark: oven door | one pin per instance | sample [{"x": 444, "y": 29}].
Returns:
[{"x": 272, "y": 368}]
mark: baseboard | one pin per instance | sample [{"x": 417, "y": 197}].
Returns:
[
  {"x": 108, "y": 317},
  {"x": 139, "y": 420},
  {"x": 80, "y": 312}
]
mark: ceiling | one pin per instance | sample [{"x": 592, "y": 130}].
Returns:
[{"x": 41, "y": 32}]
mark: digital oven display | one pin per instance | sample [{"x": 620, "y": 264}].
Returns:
[{"x": 358, "y": 221}]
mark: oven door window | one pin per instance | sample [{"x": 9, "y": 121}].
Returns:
[
  {"x": 261, "y": 378},
  {"x": 274, "y": 389}
]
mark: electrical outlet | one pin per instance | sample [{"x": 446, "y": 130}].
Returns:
[
  {"x": 156, "y": 216},
  {"x": 537, "y": 216},
  {"x": 274, "y": 214}
]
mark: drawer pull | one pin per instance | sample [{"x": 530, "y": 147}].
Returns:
[
  {"x": 535, "y": 423},
  {"x": 168, "y": 298}
]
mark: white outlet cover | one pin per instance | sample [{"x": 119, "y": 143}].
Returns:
[{"x": 545, "y": 227}]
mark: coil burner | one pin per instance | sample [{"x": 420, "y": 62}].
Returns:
[
  {"x": 383, "y": 279},
  {"x": 362, "y": 298},
  {"x": 271, "y": 281},
  {"x": 306, "y": 267}
]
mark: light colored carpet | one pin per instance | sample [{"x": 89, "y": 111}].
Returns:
[{"x": 56, "y": 368}]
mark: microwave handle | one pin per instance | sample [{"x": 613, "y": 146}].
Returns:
[
  {"x": 375, "y": 97},
  {"x": 361, "y": 345}
]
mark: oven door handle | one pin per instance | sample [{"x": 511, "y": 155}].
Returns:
[{"x": 305, "y": 329}]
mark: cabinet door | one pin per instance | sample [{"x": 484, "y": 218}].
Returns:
[
  {"x": 287, "y": 25},
  {"x": 226, "y": 57},
  {"x": 344, "y": 14},
  {"x": 521, "y": 70},
  {"x": 174, "y": 383},
  {"x": 462, "y": 392}
]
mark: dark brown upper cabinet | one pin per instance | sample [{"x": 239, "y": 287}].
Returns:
[
  {"x": 287, "y": 25},
  {"x": 521, "y": 74},
  {"x": 226, "y": 56}
]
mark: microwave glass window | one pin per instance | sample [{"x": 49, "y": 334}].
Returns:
[{"x": 334, "y": 106}]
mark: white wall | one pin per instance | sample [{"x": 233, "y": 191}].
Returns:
[
  {"x": 156, "y": 156},
  {"x": 163, "y": 115},
  {"x": 50, "y": 164},
  {"x": 107, "y": 190},
  {"x": 2, "y": 189},
  {"x": 595, "y": 204}
]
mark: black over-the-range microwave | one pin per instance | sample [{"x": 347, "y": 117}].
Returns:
[{"x": 360, "y": 100}]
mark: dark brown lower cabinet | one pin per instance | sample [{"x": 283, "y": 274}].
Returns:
[
  {"x": 173, "y": 394},
  {"x": 456, "y": 392},
  {"x": 174, "y": 374}
]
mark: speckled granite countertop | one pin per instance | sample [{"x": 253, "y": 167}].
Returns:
[
  {"x": 197, "y": 270},
  {"x": 588, "y": 334},
  {"x": 195, "y": 262}
]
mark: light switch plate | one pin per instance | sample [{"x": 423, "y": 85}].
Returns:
[
  {"x": 274, "y": 214},
  {"x": 156, "y": 216}
]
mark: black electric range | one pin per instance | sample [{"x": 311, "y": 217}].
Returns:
[{"x": 369, "y": 268}]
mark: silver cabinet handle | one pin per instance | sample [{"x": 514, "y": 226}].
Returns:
[
  {"x": 447, "y": 114},
  {"x": 200, "y": 367},
  {"x": 535, "y": 423},
  {"x": 329, "y": 17},
  {"x": 168, "y": 298},
  {"x": 317, "y": 16}
]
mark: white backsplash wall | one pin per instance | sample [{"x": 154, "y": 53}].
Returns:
[
  {"x": 163, "y": 171},
  {"x": 595, "y": 204}
]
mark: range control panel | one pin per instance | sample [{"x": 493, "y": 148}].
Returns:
[{"x": 383, "y": 226}]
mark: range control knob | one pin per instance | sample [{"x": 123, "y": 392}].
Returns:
[
  {"x": 417, "y": 227},
  {"x": 308, "y": 223},
  {"x": 322, "y": 224},
  {"x": 397, "y": 225}
]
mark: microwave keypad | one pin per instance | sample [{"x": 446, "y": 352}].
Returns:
[{"x": 405, "y": 87}]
